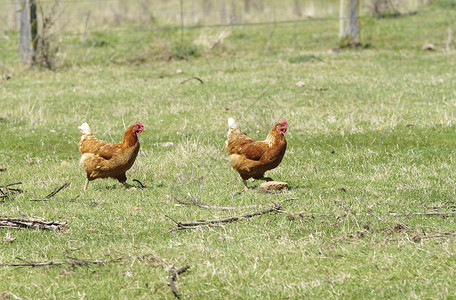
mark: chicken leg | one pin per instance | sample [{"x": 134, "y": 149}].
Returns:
[
  {"x": 266, "y": 178},
  {"x": 126, "y": 185},
  {"x": 245, "y": 186}
]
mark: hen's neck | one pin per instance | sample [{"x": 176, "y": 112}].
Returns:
[
  {"x": 273, "y": 137},
  {"x": 129, "y": 139}
]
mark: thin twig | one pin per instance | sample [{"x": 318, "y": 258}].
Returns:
[
  {"x": 195, "y": 224},
  {"x": 202, "y": 205},
  {"x": 57, "y": 190},
  {"x": 198, "y": 203},
  {"x": 194, "y": 77},
  {"x": 7, "y": 191},
  {"x": 140, "y": 183},
  {"x": 19, "y": 212},
  {"x": 229, "y": 219},
  {"x": 194, "y": 227},
  {"x": 182, "y": 202},
  {"x": 441, "y": 235},
  {"x": 74, "y": 199},
  {"x": 177, "y": 222},
  {"x": 71, "y": 261},
  {"x": 173, "y": 277},
  {"x": 52, "y": 194},
  {"x": 7, "y": 185},
  {"x": 11, "y": 222},
  {"x": 427, "y": 213}
]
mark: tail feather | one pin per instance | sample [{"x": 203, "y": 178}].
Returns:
[
  {"x": 231, "y": 123},
  {"x": 85, "y": 129}
]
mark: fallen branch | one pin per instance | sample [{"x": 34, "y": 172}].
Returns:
[
  {"x": 38, "y": 223},
  {"x": 11, "y": 184},
  {"x": 194, "y": 224},
  {"x": 52, "y": 194},
  {"x": 420, "y": 237},
  {"x": 71, "y": 262},
  {"x": 202, "y": 205},
  {"x": 5, "y": 190},
  {"x": 140, "y": 183},
  {"x": 198, "y": 203},
  {"x": 193, "y": 227},
  {"x": 194, "y": 77},
  {"x": 57, "y": 190},
  {"x": 173, "y": 277},
  {"x": 427, "y": 213}
]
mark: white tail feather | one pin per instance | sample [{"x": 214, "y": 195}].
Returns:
[
  {"x": 231, "y": 123},
  {"x": 85, "y": 129}
]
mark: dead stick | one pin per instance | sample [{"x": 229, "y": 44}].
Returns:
[
  {"x": 427, "y": 213},
  {"x": 14, "y": 190},
  {"x": 7, "y": 185},
  {"x": 202, "y": 205},
  {"x": 51, "y": 194},
  {"x": 194, "y": 77},
  {"x": 11, "y": 222},
  {"x": 173, "y": 277},
  {"x": 193, "y": 227},
  {"x": 34, "y": 264},
  {"x": 276, "y": 208},
  {"x": 140, "y": 183},
  {"x": 71, "y": 261},
  {"x": 182, "y": 202},
  {"x": 57, "y": 190},
  {"x": 443, "y": 235},
  {"x": 198, "y": 203},
  {"x": 177, "y": 222}
]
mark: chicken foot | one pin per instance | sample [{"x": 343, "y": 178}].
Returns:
[
  {"x": 246, "y": 188},
  {"x": 266, "y": 178},
  {"x": 126, "y": 185}
]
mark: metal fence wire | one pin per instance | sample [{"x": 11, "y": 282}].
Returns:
[{"x": 75, "y": 16}]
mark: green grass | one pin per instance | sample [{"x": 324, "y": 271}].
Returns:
[{"x": 379, "y": 139}]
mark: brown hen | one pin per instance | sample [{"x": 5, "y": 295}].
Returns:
[
  {"x": 251, "y": 158},
  {"x": 102, "y": 160}
]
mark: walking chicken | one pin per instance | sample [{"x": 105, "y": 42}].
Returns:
[
  {"x": 250, "y": 158},
  {"x": 102, "y": 160}
]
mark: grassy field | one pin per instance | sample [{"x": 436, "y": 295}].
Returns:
[{"x": 371, "y": 142}]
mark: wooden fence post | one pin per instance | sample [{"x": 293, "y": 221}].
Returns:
[
  {"x": 25, "y": 37},
  {"x": 28, "y": 30},
  {"x": 33, "y": 25},
  {"x": 349, "y": 26}
]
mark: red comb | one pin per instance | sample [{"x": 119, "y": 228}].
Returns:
[
  {"x": 283, "y": 121},
  {"x": 139, "y": 123}
]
